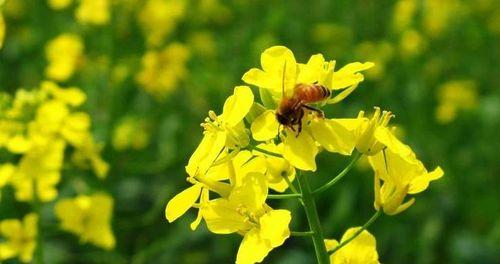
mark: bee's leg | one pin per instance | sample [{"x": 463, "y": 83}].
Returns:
[
  {"x": 299, "y": 130},
  {"x": 319, "y": 112},
  {"x": 299, "y": 123}
]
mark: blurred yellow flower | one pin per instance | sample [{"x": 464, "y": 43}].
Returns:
[
  {"x": 130, "y": 133},
  {"x": 59, "y": 4},
  {"x": 19, "y": 238},
  {"x": 2, "y": 29},
  {"x": 380, "y": 53},
  {"x": 212, "y": 11},
  {"x": 89, "y": 217},
  {"x": 404, "y": 14},
  {"x": 333, "y": 38},
  {"x": 63, "y": 54},
  {"x": 89, "y": 155},
  {"x": 361, "y": 250},
  {"x": 162, "y": 70},
  {"x": 454, "y": 96},
  {"x": 401, "y": 175},
  {"x": 437, "y": 15},
  {"x": 412, "y": 43},
  {"x": 39, "y": 125},
  {"x": 6, "y": 172},
  {"x": 203, "y": 43},
  {"x": 39, "y": 171},
  {"x": 95, "y": 12},
  {"x": 158, "y": 19}
]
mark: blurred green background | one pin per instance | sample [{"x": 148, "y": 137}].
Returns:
[{"x": 436, "y": 68}]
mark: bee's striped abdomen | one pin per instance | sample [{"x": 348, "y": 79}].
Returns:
[{"x": 311, "y": 93}]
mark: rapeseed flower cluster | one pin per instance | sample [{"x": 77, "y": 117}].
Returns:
[
  {"x": 162, "y": 70},
  {"x": 455, "y": 96},
  {"x": 40, "y": 128},
  {"x": 247, "y": 152},
  {"x": 64, "y": 54}
]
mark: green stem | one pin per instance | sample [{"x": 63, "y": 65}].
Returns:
[
  {"x": 313, "y": 219},
  {"x": 358, "y": 232},
  {"x": 270, "y": 153},
  {"x": 284, "y": 196},
  {"x": 301, "y": 233},
  {"x": 39, "y": 238},
  {"x": 290, "y": 184},
  {"x": 339, "y": 176}
]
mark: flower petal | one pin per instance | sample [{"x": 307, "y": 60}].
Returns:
[
  {"x": 237, "y": 105},
  {"x": 179, "y": 205},
  {"x": 384, "y": 135},
  {"x": 206, "y": 153},
  {"x": 333, "y": 136},
  {"x": 274, "y": 227},
  {"x": 312, "y": 71},
  {"x": 349, "y": 75},
  {"x": 252, "y": 249},
  {"x": 265, "y": 127},
  {"x": 222, "y": 217},
  {"x": 300, "y": 150},
  {"x": 252, "y": 193},
  {"x": 420, "y": 183},
  {"x": 342, "y": 95}
]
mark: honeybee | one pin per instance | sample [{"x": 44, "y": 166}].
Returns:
[{"x": 291, "y": 110}]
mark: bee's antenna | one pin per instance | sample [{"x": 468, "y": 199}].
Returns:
[{"x": 283, "y": 81}]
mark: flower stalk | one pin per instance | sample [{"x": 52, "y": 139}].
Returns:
[
  {"x": 313, "y": 219},
  {"x": 357, "y": 233},
  {"x": 356, "y": 157}
]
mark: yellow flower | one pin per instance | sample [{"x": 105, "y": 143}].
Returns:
[
  {"x": 235, "y": 169},
  {"x": 130, "y": 133},
  {"x": 63, "y": 54},
  {"x": 274, "y": 76},
  {"x": 203, "y": 43},
  {"x": 2, "y": 29},
  {"x": 88, "y": 154},
  {"x": 361, "y": 250},
  {"x": 6, "y": 172},
  {"x": 438, "y": 14},
  {"x": 94, "y": 12},
  {"x": 280, "y": 70},
  {"x": 161, "y": 71},
  {"x": 404, "y": 12},
  {"x": 378, "y": 52},
  {"x": 20, "y": 238},
  {"x": 401, "y": 175},
  {"x": 454, "y": 96},
  {"x": 300, "y": 149},
  {"x": 277, "y": 168},
  {"x": 39, "y": 171},
  {"x": 365, "y": 130},
  {"x": 245, "y": 212},
  {"x": 158, "y": 19},
  {"x": 59, "y": 4},
  {"x": 412, "y": 43},
  {"x": 88, "y": 217},
  {"x": 224, "y": 131}
]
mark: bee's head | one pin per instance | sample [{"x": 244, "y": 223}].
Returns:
[{"x": 283, "y": 119}]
